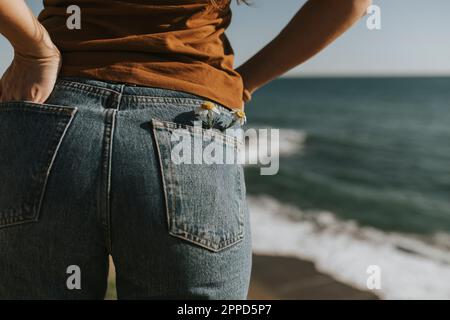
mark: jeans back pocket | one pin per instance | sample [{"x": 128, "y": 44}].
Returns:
[
  {"x": 30, "y": 136},
  {"x": 204, "y": 199}
]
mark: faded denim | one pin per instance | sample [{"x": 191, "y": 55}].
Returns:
[{"x": 88, "y": 174}]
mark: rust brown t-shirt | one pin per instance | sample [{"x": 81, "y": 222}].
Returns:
[{"x": 172, "y": 44}]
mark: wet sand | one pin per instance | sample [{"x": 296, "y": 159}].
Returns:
[{"x": 283, "y": 278}]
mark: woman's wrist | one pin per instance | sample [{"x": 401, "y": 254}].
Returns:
[
  {"x": 247, "y": 95},
  {"x": 41, "y": 47}
]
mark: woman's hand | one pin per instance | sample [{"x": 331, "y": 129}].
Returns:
[
  {"x": 37, "y": 61},
  {"x": 315, "y": 26},
  {"x": 30, "y": 78}
]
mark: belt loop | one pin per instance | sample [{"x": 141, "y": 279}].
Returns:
[{"x": 119, "y": 100}]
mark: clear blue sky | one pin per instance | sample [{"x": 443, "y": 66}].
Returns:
[{"x": 414, "y": 39}]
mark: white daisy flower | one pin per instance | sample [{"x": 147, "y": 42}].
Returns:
[
  {"x": 239, "y": 117},
  {"x": 208, "y": 113}
]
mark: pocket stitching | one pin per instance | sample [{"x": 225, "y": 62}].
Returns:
[
  {"x": 183, "y": 233},
  {"x": 166, "y": 200},
  {"x": 36, "y": 199},
  {"x": 36, "y": 107}
]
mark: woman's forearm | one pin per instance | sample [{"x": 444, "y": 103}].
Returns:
[
  {"x": 23, "y": 30},
  {"x": 316, "y": 25},
  {"x": 36, "y": 64}
]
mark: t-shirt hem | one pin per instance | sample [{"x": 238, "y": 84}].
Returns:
[{"x": 150, "y": 79}]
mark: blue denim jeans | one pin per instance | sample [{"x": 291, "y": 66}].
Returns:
[{"x": 89, "y": 174}]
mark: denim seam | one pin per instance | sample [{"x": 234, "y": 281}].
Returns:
[
  {"x": 99, "y": 91},
  {"x": 103, "y": 96},
  {"x": 113, "y": 128},
  {"x": 224, "y": 244},
  {"x": 241, "y": 202},
  {"x": 102, "y": 91},
  {"x": 164, "y": 185},
  {"x": 55, "y": 154},
  {"x": 105, "y": 181},
  {"x": 119, "y": 99},
  {"x": 85, "y": 87},
  {"x": 195, "y": 102},
  {"x": 164, "y": 100},
  {"x": 157, "y": 105}
]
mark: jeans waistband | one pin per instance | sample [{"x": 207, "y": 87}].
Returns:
[{"x": 136, "y": 93}]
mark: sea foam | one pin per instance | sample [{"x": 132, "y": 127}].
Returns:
[
  {"x": 291, "y": 142},
  {"x": 412, "y": 267}
]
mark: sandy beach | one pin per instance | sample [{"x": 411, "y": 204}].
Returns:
[{"x": 283, "y": 278}]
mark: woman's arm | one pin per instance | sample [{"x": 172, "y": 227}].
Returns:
[
  {"x": 316, "y": 25},
  {"x": 33, "y": 72}
]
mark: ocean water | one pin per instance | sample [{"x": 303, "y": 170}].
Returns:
[{"x": 364, "y": 179}]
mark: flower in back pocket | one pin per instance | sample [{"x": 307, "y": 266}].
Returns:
[
  {"x": 208, "y": 113},
  {"x": 239, "y": 118}
]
